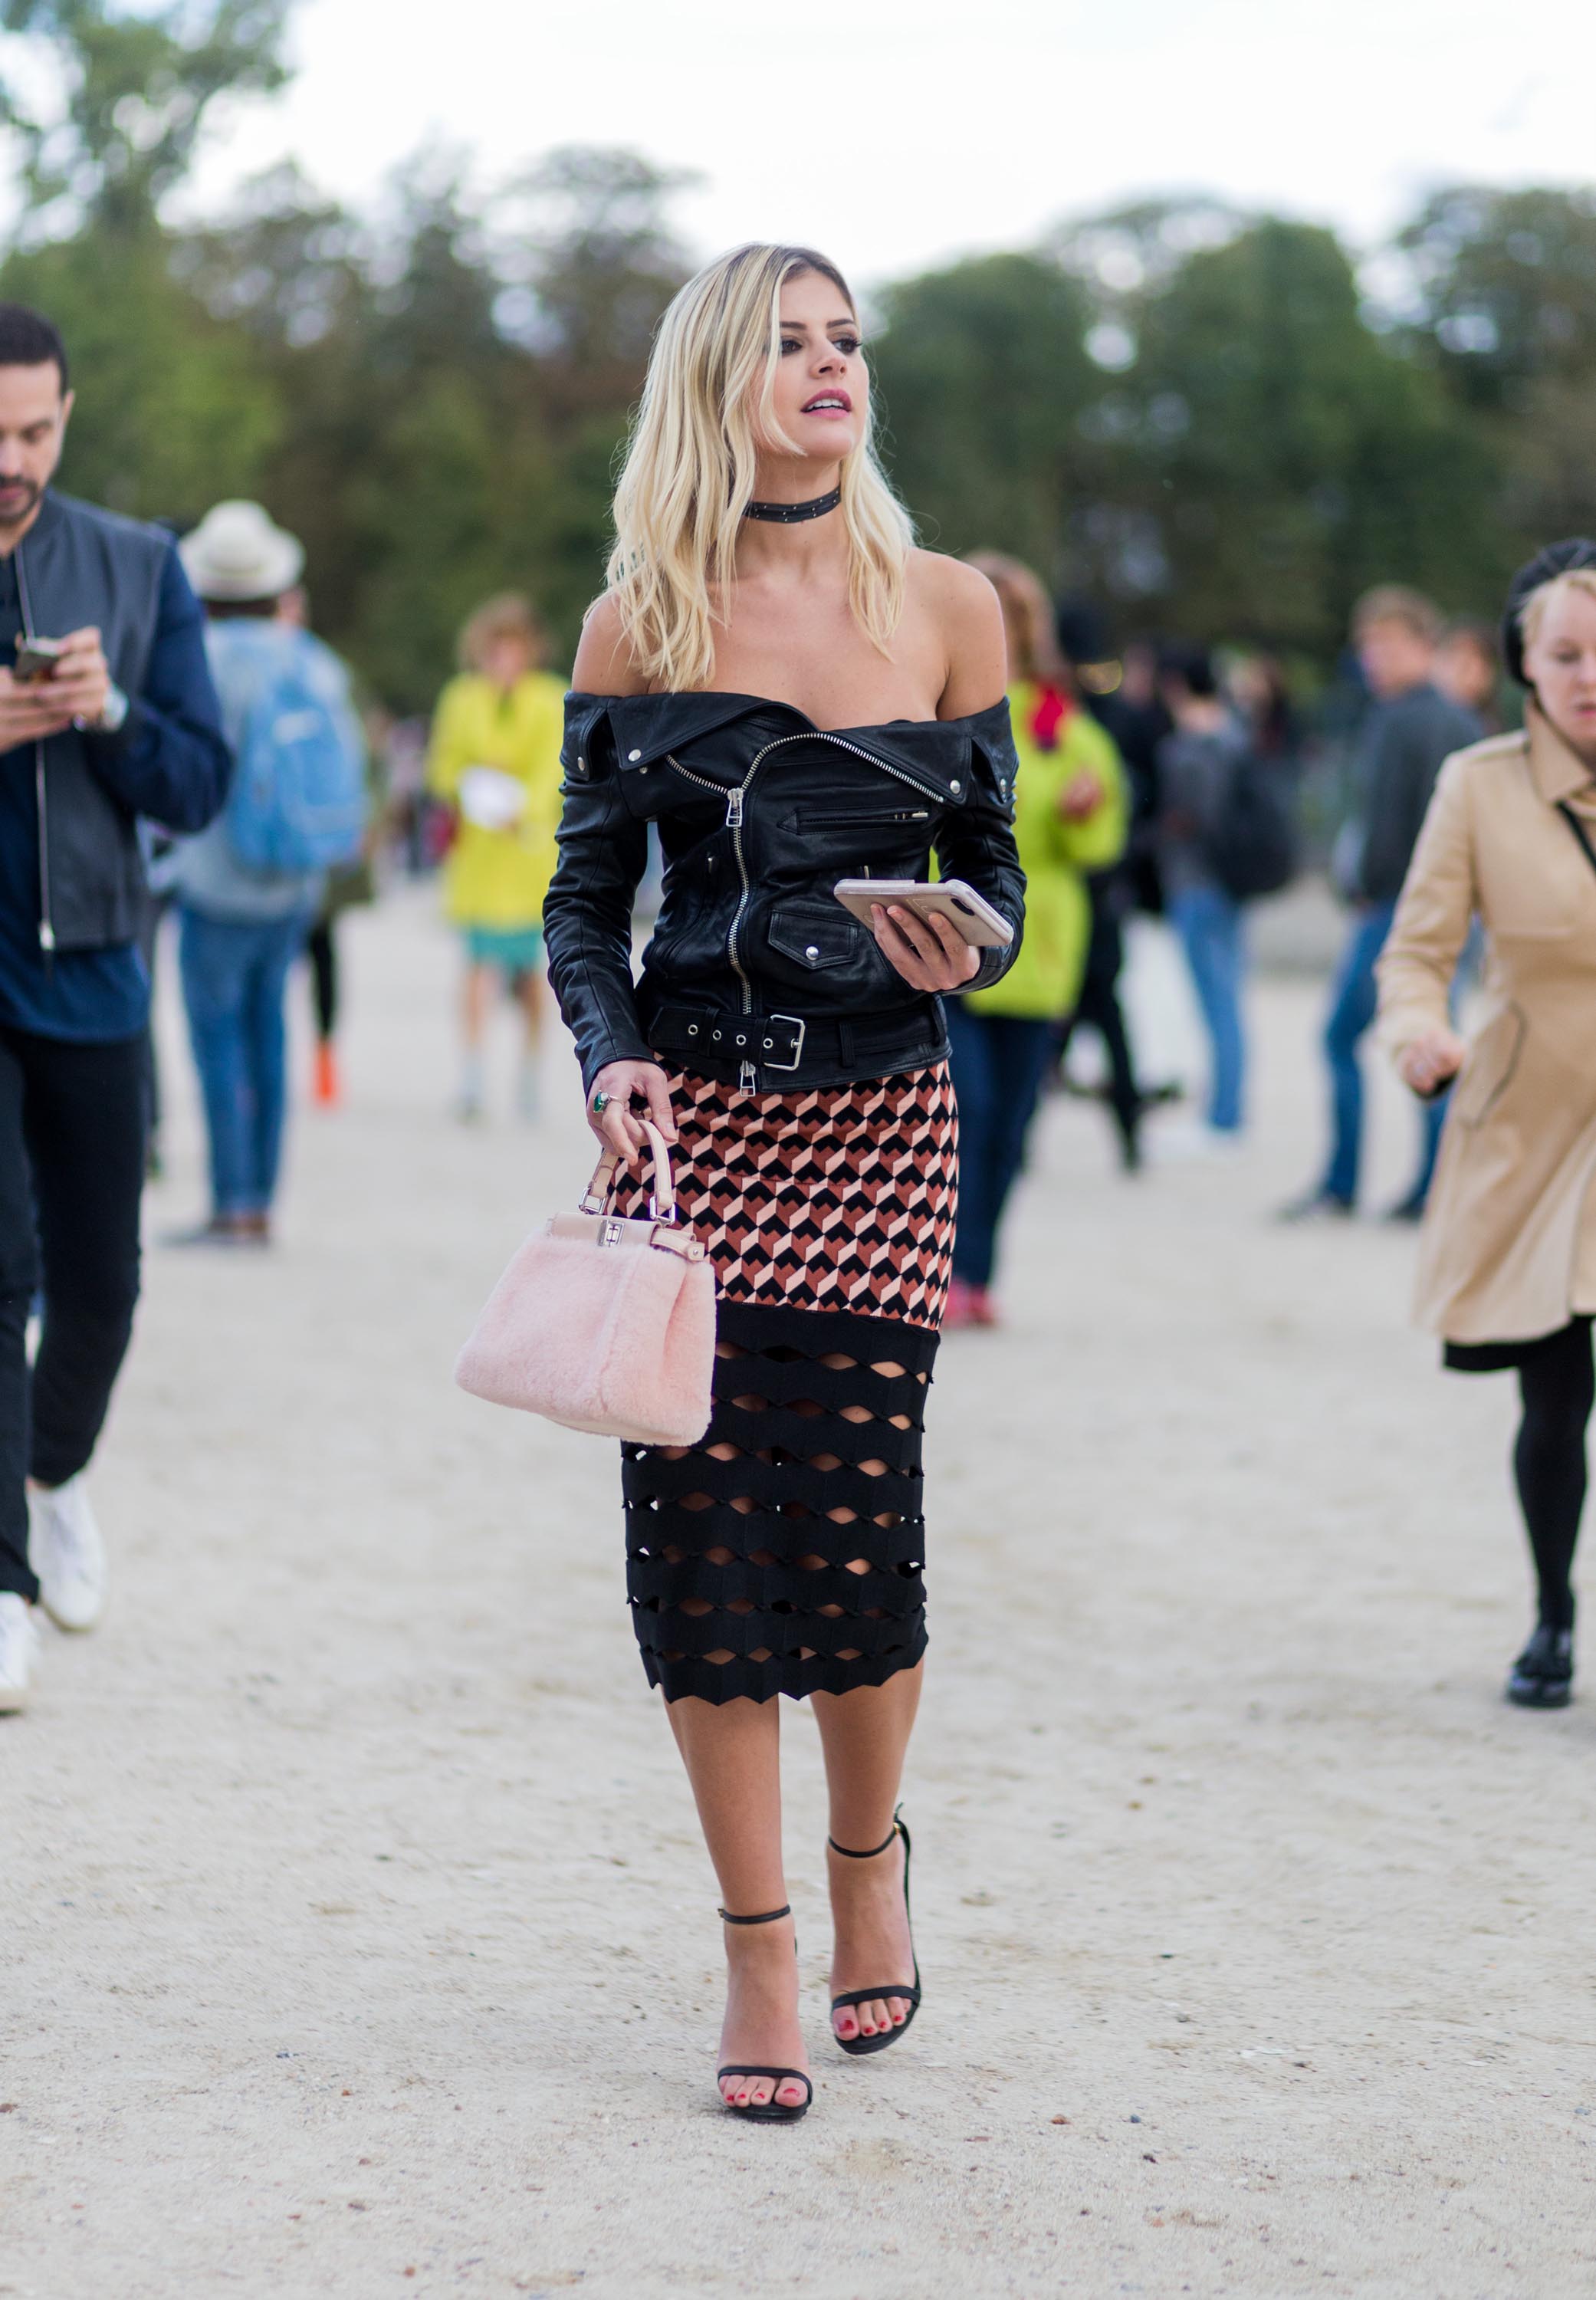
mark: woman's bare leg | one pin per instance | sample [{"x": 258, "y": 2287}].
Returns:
[
  {"x": 531, "y": 998},
  {"x": 732, "y": 1752},
  {"x": 475, "y": 990},
  {"x": 865, "y": 1735},
  {"x": 474, "y": 1000}
]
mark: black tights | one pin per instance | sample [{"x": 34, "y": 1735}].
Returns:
[{"x": 1557, "y": 1383}]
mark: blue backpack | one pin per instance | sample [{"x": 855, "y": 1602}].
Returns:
[{"x": 298, "y": 796}]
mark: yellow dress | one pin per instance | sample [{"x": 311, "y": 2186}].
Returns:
[{"x": 497, "y": 874}]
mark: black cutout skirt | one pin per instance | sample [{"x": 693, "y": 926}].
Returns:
[{"x": 784, "y": 1551}]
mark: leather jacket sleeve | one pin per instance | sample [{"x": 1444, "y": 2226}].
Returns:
[
  {"x": 977, "y": 843},
  {"x": 587, "y": 911}
]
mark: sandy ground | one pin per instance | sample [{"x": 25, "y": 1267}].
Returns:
[{"x": 360, "y": 1940}]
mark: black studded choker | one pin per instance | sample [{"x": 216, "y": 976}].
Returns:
[{"x": 789, "y": 514}]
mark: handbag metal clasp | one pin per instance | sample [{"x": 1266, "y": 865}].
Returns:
[{"x": 612, "y": 1231}]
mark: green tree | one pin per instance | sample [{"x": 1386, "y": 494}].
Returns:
[
  {"x": 1503, "y": 303},
  {"x": 584, "y": 243},
  {"x": 171, "y": 410},
  {"x": 984, "y": 375},
  {"x": 1503, "y": 289},
  {"x": 135, "y": 87},
  {"x": 1283, "y": 455}
]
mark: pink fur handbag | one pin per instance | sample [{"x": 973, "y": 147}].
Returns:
[{"x": 603, "y": 1324}]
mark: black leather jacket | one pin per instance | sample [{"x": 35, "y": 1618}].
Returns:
[{"x": 756, "y": 973}]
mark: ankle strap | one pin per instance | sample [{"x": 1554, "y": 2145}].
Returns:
[
  {"x": 769, "y": 1918},
  {"x": 848, "y": 1852}
]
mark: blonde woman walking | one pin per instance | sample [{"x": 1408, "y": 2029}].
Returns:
[
  {"x": 1507, "y": 1265},
  {"x": 792, "y": 694}
]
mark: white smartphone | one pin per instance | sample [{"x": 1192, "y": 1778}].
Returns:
[{"x": 948, "y": 898}]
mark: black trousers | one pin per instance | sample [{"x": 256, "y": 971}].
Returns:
[
  {"x": 72, "y": 1124},
  {"x": 1098, "y": 1006},
  {"x": 322, "y": 953}
]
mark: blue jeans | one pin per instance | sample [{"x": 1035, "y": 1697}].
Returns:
[
  {"x": 999, "y": 1061},
  {"x": 234, "y": 978},
  {"x": 1353, "y": 1003},
  {"x": 1209, "y": 923}
]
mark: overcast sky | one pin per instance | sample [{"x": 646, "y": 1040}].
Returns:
[{"x": 895, "y": 135}]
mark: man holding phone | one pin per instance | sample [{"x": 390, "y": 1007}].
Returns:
[{"x": 106, "y": 713}]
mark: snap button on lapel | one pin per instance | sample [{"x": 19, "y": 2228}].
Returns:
[
  {"x": 954, "y": 787},
  {"x": 632, "y": 757}
]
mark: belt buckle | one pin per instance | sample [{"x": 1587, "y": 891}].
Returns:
[{"x": 801, "y": 1027}]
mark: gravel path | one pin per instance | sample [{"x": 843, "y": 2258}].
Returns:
[{"x": 360, "y": 1942}]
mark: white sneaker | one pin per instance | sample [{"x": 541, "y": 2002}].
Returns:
[
  {"x": 65, "y": 1550},
  {"x": 19, "y": 1646}
]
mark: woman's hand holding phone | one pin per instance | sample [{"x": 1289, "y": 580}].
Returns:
[{"x": 930, "y": 953}]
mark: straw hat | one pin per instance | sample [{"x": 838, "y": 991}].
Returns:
[{"x": 238, "y": 552}]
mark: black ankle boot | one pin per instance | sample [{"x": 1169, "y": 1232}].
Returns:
[{"x": 1543, "y": 1676}]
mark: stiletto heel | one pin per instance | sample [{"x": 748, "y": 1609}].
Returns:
[
  {"x": 855, "y": 1997},
  {"x": 772, "y": 2110}
]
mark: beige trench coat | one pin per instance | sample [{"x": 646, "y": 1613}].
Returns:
[{"x": 1509, "y": 1247}]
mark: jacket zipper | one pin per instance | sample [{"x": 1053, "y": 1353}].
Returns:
[
  {"x": 735, "y": 800},
  {"x": 47, "y": 925}
]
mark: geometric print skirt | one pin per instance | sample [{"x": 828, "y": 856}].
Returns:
[{"x": 784, "y": 1553}]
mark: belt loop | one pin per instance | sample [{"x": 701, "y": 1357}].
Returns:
[{"x": 845, "y": 1041}]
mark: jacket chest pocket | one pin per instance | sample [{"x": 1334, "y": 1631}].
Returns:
[
  {"x": 809, "y": 818},
  {"x": 814, "y": 936}
]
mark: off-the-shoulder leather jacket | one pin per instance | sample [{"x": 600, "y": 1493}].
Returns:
[{"x": 756, "y": 974}]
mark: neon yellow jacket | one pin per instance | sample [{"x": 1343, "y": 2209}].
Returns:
[
  {"x": 1045, "y": 981},
  {"x": 499, "y": 878}
]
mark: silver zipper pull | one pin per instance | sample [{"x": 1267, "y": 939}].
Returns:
[
  {"x": 734, "y": 809},
  {"x": 745, "y": 1077},
  {"x": 47, "y": 934}
]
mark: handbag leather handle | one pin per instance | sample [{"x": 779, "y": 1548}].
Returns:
[{"x": 661, "y": 1204}]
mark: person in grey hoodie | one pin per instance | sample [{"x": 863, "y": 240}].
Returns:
[{"x": 1410, "y": 728}]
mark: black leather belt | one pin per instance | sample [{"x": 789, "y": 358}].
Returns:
[{"x": 785, "y": 1042}]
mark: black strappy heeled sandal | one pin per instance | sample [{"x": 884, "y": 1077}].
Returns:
[
  {"x": 772, "y": 2110},
  {"x": 855, "y": 1997}
]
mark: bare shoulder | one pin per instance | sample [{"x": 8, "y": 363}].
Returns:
[
  {"x": 604, "y": 663},
  {"x": 959, "y": 603},
  {"x": 948, "y": 587}
]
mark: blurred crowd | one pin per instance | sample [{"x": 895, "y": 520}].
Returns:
[{"x": 1162, "y": 779}]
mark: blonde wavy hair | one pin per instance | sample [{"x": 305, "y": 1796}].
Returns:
[{"x": 690, "y": 463}]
